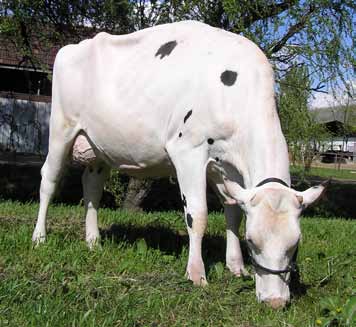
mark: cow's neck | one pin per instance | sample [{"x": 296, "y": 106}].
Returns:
[{"x": 264, "y": 151}]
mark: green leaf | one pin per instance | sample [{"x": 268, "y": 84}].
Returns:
[
  {"x": 350, "y": 311},
  {"x": 329, "y": 305}
]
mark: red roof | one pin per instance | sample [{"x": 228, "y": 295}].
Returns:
[{"x": 10, "y": 55}]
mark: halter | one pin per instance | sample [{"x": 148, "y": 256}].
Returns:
[
  {"x": 272, "y": 180},
  {"x": 292, "y": 265}
]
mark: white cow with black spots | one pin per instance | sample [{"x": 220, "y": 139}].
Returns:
[{"x": 193, "y": 101}]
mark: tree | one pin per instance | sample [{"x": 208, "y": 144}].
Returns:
[{"x": 303, "y": 133}]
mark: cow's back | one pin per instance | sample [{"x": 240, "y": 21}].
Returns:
[{"x": 131, "y": 93}]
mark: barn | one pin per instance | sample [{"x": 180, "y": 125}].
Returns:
[
  {"x": 25, "y": 105},
  {"x": 340, "y": 121},
  {"x": 25, "y": 96}
]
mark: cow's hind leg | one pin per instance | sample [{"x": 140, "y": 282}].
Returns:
[
  {"x": 60, "y": 143},
  {"x": 93, "y": 180},
  {"x": 191, "y": 174}
]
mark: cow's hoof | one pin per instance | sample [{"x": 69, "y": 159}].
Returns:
[
  {"x": 196, "y": 274},
  {"x": 202, "y": 282},
  {"x": 238, "y": 270},
  {"x": 198, "y": 281},
  {"x": 93, "y": 243},
  {"x": 38, "y": 238}
]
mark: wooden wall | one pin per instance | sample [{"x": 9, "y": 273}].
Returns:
[{"x": 24, "y": 126}]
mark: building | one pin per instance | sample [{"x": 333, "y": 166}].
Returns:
[
  {"x": 25, "y": 89},
  {"x": 341, "y": 123},
  {"x": 25, "y": 96}
]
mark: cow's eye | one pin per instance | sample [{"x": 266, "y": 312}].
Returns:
[
  {"x": 250, "y": 243},
  {"x": 292, "y": 249},
  {"x": 253, "y": 246}
]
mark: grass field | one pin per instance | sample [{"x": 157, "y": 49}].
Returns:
[
  {"x": 347, "y": 174},
  {"x": 136, "y": 277}
]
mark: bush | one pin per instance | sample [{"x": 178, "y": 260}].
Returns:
[{"x": 115, "y": 186}]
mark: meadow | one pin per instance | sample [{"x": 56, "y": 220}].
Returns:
[
  {"x": 327, "y": 172},
  {"x": 136, "y": 277}
]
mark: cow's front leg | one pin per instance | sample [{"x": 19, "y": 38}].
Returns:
[
  {"x": 234, "y": 259},
  {"x": 196, "y": 224},
  {"x": 93, "y": 180},
  {"x": 233, "y": 216},
  {"x": 191, "y": 173}
]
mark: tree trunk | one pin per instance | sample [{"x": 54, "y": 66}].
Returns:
[{"x": 137, "y": 190}]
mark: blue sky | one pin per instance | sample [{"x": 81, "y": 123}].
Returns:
[{"x": 335, "y": 88}]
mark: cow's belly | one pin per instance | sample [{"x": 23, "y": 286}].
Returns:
[{"x": 137, "y": 154}]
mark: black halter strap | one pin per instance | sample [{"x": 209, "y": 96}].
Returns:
[
  {"x": 272, "y": 180},
  {"x": 291, "y": 267}
]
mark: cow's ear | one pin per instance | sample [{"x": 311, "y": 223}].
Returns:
[
  {"x": 312, "y": 194},
  {"x": 237, "y": 192}
]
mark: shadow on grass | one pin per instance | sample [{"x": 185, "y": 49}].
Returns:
[
  {"x": 172, "y": 242},
  {"x": 166, "y": 240},
  {"x": 296, "y": 286},
  {"x": 338, "y": 200}
]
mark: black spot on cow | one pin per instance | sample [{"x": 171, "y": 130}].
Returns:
[
  {"x": 180, "y": 134},
  {"x": 166, "y": 49},
  {"x": 189, "y": 113},
  {"x": 100, "y": 169},
  {"x": 184, "y": 200},
  {"x": 189, "y": 220},
  {"x": 228, "y": 77},
  {"x": 210, "y": 141},
  {"x": 217, "y": 159}
]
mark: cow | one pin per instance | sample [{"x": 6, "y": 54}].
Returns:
[{"x": 186, "y": 100}]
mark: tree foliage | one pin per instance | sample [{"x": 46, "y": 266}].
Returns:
[
  {"x": 303, "y": 134},
  {"x": 40, "y": 25}
]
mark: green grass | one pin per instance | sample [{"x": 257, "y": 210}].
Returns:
[
  {"x": 328, "y": 172},
  {"x": 137, "y": 277}
]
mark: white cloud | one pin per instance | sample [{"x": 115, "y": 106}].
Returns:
[
  {"x": 332, "y": 99},
  {"x": 321, "y": 100}
]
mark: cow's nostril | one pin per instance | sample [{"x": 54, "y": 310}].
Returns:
[{"x": 277, "y": 303}]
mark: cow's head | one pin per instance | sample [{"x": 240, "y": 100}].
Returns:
[{"x": 273, "y": 233}]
